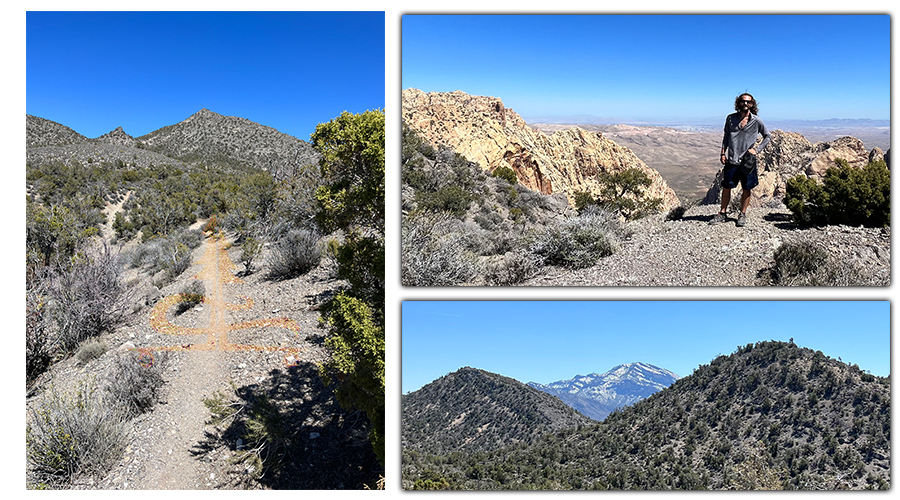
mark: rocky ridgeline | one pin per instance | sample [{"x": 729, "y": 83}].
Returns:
[
  {"x": 203, "y": 137},
  {"x": 42, "y": 132},
  {"x": 790, "y": 154},
  {"x": 211, "y": 135},
  {"x": 485, "y": 131}
]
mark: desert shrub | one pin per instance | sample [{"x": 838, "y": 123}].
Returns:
[
  {"x": 177, "y": 260},
  {"x": 251, "y": 248},
  {"x": 53, "y": 232},
  {"x": 134, "y": 380},
  {"x": 497, "y": 242},
  {"x": 191, "y": 295},
  {"x": 583, "y": 199},
  {"x": 412, "y": 144},
  {"x": 171, "y": 254},
  {"x": 514, "y": 267},
  {"x": 676, "y": 213},
  {"x": 506, "y": 173},
  {"x": 298, "y": 252},
  {"x": 40, "y": 340},
  {"x": 73, "y": 434},
  {"x": 90, "y": 349},
  {"x": 847, "y": 195},
  {"x": 433, "y": 254},
  {"x": 190, "y": 238},
  {"x": 488, "y": 219},
  {"x": 577, "y": 242},
  {"x": 804, "y": 263},
  {"x": 453, "y": 199},
  {"x": 88, "y": 296},
  {"x": 793, "y": 259}
]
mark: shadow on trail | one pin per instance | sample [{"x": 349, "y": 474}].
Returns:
[{"x": 314, "y": 443}]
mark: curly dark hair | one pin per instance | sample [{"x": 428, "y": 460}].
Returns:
[{"x": 753, "y": 107}]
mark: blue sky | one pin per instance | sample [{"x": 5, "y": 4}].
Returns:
[
  {"x": 656, "y": 68},
  {"x": 548, "y": 341},
  {"x": 95, "y": 71}
]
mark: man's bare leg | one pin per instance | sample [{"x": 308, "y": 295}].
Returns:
[
  {"x": 726, "y": 199},
  {"x": 745, "y": 200}
]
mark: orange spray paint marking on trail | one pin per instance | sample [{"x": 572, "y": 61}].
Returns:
[{"x": 218, "y": 270}]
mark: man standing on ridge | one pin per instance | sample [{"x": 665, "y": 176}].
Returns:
[{"x": 739, "y": 152}]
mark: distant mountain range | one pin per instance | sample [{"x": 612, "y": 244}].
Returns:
[
  {"x": 597, "y": 395},
  {"x": 202, "y": 138},
  {"x": 710, "y": 123},
  {"x": 771, "y": 415}
]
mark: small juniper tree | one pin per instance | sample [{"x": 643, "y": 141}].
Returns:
[{"x": 352, "y": 200}]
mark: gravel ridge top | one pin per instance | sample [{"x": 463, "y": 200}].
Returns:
[{"x": 690, "y": 252}]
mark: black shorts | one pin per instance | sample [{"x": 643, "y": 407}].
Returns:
[{"x": 732, "y": 174}]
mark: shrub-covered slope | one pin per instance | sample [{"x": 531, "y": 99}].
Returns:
[
  {"x": 209, "y": 136},
  {"x": 472, "y": 409},
  {"x": 768, "y": 416}
]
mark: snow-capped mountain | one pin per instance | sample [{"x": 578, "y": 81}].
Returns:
[{"x": 597, "y": 395}]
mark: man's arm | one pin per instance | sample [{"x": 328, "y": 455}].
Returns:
[
  {"x": 724, "y": 142},
  {"x": 764, "y": 132}
]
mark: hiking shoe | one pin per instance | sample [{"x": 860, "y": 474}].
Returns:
[
  {"x": 718, "y": 219},
  {"x": 742, "y": 220}
]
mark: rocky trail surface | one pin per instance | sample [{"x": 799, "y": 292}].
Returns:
[
  {"x": 690, "y": 252},
  {"x": 250, "y": 338}
]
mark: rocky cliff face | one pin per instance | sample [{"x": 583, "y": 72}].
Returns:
[
  {"x": 790, "y": 154},
  {"x": 485, "y": 131}
]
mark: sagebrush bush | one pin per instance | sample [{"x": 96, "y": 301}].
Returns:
[
  {"x": 804, "y": 263},
  {"x": 171, "y": 254},
  {"x": 89, "y": 296},
  {"x": 40, "y": 338},
  {"x": 793, "y": 259},
  {"x": 433, "y": 254},
  {"x": 296, "y": 253},
  {"x": 133, "y": 382},
  {"x": 90, "y": 349},
  {"x": 514, "y": 267},
  {"x": 846, "y": 195},
  {"x": 578, "y": 242},
  {"x": 71, "y": 435}
]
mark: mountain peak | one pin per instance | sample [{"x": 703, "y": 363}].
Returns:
[
  {"x": 598, "y": 394},
  {"x": 117, "y": 136},
  {"x": 204, "y": 113}
]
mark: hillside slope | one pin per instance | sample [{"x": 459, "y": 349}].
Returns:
[
  {"x": 472, "y": 409},
  {"x": 769, "y": 416},
  {"x": 204, "y": 137}
]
